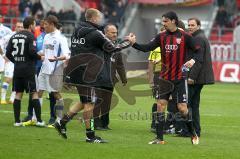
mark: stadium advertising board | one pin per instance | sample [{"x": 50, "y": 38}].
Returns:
[
  {"x": 227, "y": 71},
  {"x": 225, "y": 52},
  {"x": 181, "y": 2}
]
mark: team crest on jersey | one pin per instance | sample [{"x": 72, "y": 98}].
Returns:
[
  {"x": 178, "y": 40},
  {"x": 54, "y": 41}
]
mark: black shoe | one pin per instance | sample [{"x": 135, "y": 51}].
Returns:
[
  {"x": 27, "y": 118},
  {"x": 107, "y": 128},
  {"x": 153, "y": 130},
  {"x": 170, "y": 131},
  {"x": 183, "y": 134},
  {"x": 51, "y": 121},
  {"x": 153, "y": 125},
  {"x": 103, "y": 128},
  {"x": 96, "y": 139},
  {"x": 98, "y": 128},
  {"x": 61, "y": 129}
]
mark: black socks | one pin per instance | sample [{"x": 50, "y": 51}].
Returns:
[
  {"x": 17, "y": 110},
  {"x": 160, "y": 122}
]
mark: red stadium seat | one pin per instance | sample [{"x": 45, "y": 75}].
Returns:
[
  {"x": 14, "y": 2},
  {"x": 5, "y": 2},
  {"x": 7, "y": 21},
  {"x": 4, "y": 10},
  {"x": 92, "y": 4},
  {"x": 238, "y": 4},
  {"x": 214, "y": 37},
  {"x": 14, "y": 20},
  {"x": 228, "y": 37},
  {"x": 13, "y": 27},
  {"x": 2, "y": 19}
]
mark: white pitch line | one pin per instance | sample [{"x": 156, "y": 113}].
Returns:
[
  {"x": 141, "y": 115},
  {"x": 148, "y": 120},
  {"x": 11, "y": 112}
]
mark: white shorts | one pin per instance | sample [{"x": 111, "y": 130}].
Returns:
[
  {"x": 9, "y": 68},
  {"x": 50, "y": 83},
  {"x": 2, "y": 63}
]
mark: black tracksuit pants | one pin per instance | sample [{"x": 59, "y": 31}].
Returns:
[{"x": 194, "y": 101}]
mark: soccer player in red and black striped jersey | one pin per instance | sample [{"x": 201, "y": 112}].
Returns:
[{"x": 176, "y": 46}]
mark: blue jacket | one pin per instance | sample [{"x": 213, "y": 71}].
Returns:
[{"x": 39, "y": 44}]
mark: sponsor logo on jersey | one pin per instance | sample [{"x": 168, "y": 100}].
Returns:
[
  {"x": 78, "y": 41},
  {"x": 49, "y": 46},
  {"x": 170, "y": 48},
  {"x": 178, "y": 40}
]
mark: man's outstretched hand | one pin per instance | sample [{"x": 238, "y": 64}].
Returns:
[{"x": 131, "y": 37}]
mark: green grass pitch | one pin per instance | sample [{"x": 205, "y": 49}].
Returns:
[{"x": 220, "y": 119}]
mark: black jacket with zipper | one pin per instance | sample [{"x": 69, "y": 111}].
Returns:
[
  {"x": 202, "y": 73},
  {"x": 90, "y": 62}
]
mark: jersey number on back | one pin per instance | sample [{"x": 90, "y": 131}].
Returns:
[{"x": 15, "y": 46}]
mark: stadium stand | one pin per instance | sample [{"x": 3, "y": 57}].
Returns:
[{"x": 8, "y": 5}]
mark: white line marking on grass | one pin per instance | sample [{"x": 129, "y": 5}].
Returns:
[
  {"x": 208, "y": 125},
  {"x": 11, "y": 112},
  {"x": 218, "y": 115}
]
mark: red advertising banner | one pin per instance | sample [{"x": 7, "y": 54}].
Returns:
[
  {"x": 227, "y": 71},
  {"x": 197, "y": 3},
  {"x": 182, "y": 2},
  {"x": 154, "y": 1}
]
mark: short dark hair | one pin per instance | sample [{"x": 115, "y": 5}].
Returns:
[
  {"x": 181, "y": 25},
  {"x": 27, "y": 22},
  {"x": 59, "y": 26},
  {"x": 52, "y": 20},
  {"x": 172, "y": 16},
  {"x": 196, "y": 20}
]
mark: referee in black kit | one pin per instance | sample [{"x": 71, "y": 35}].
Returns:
[{"x": 175, "y": 45}]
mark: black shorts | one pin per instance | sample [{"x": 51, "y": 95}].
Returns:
[
  {"x": 178, "y": 90},
  {"x": 87, "y": 94},
  {"x": 25, "y": 83}
]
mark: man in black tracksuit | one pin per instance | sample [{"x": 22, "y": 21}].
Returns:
[
  {"x": 101, "y": 110},
  {"x": 88, "y": 69},
  {"x": 200, "y": 74}
]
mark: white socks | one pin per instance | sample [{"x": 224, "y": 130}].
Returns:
[
  {"x": 12, "y": 97},
  {"x": 4, "y": 91}
]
